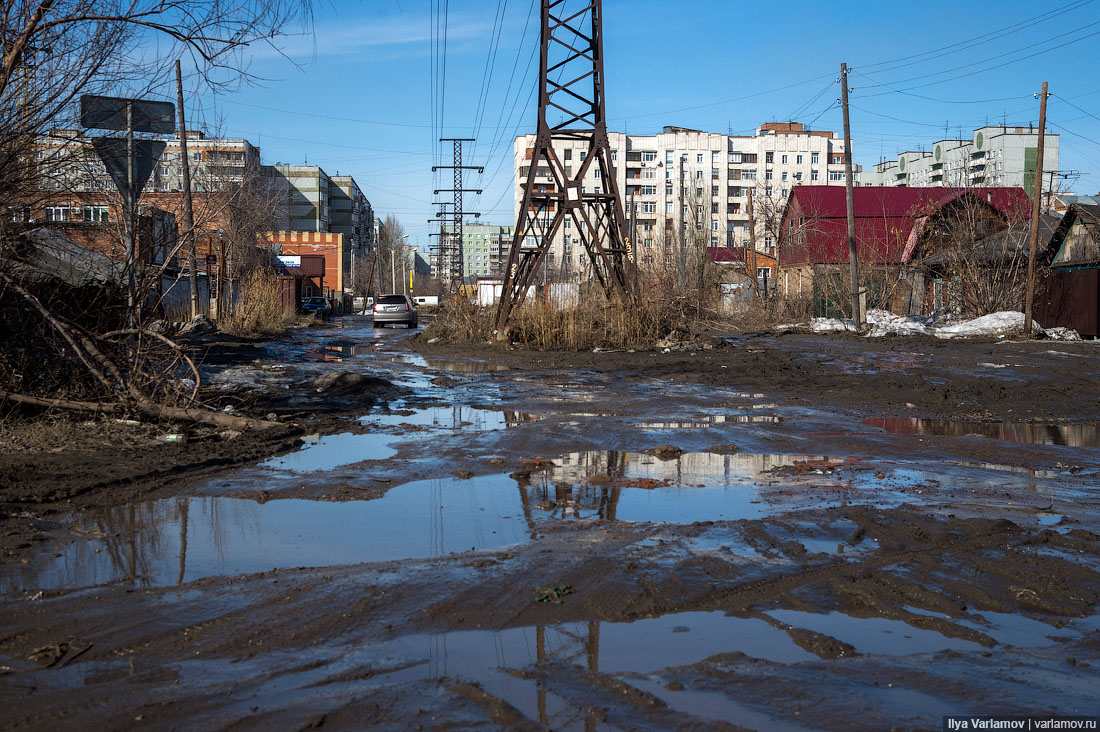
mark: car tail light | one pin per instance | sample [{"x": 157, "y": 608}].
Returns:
[
  {"x": 374, "y": 308},
  {"x": 406, "y": 306}
]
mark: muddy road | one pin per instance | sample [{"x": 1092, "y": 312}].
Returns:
[{"x": 774, "y": 533}]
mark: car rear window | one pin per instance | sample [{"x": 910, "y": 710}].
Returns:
[{"x": 392, "y": 299}]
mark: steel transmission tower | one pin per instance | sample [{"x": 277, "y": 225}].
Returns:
[
  {"x": 449, "y": 251},
  {"x": 571, "y": 83}
]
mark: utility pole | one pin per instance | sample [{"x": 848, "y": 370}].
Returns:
[
  {"x": 450, "y": 255},
  {"x": 750, "y": 260},
  {"x": 1033, "y": 244},
  {"x": 849, "y": 195},
  {"x": 570, "y": 49},
  {"x": 188, "y": 211}
]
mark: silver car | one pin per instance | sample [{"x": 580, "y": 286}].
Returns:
[{"x": 395, "y": 310}]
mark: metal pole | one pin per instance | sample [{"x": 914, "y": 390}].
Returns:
[
  {"x": 1033, "y": 244},
  {"x": 750, "y": 260},
  {"x": 129, "y": 204},
  {"x": 188, "y": 211},
  {"x": 853, "y": 256}
]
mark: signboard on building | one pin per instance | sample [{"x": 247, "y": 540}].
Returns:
[{"x": 290, "y": 260}]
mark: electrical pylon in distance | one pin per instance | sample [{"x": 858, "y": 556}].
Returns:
[{"x": 571, "y": 86}]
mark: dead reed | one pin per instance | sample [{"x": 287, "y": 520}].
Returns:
[{"x": 259, "y": 309}]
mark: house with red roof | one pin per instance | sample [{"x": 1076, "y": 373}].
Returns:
[{"x": 895, "y": 228}]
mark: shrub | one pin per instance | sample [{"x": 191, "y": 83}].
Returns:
[{"x": 259, "y": 309}]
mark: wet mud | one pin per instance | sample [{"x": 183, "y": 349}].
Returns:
[{"x": 783, "y": 533}]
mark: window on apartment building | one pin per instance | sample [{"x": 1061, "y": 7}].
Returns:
[
  {"x": 835, "y": 175},
  {"x": 684, "y": 209},
  {"x": 714, "y": 207},
  {"x": 569, "y": 170},
  {"x": 714, "y": 156},
  {"x": 57, "y": 212},
  {"x": 769, "y": 175},
  {"x": 714, "y": 224},
  {"x": 596, "y": 172},
  {"x": 798, "y": 176},
  {"x": 783, "y": 175},
  {"x": 814, "y": 158},
  {"x": 670, "y": 157},
  {"x": 648, "y": 225},
  {"x": 698, "y": 175},
  {"x": 698, "y": 225},
  {"x": 596, "y": 190},
  {"x": 584, "y": 154},
  {"x": 798, "y": 160},
  {"x": 649, "y": 190},
  {"x": 698, "y": 191},
  {"x": 649, "y": 157},
  {"x": 783, "y": 160},
  {"x": 714, "y": 190},
  {"x": 668, "y": 189},
  {"x": 614, "y": 155},
  {"x": 567, "y": 223},
  {"x": 698, "y": 209},
  {"x": 735, "y": 157},
  {"x": 768, "y": 191},
  {"x": 699, "y": 158},
  {"x": 568, "y": 154},
  {"x": 714, "y": 172},
  {"x": 669, "y": 207},
  {"x": 649, "y": 207},
  {"x": 769, "y": 157},
  {"x": 649, "y": 173},
  {"x": 748, "y": 175},
  {"x": 814, "y": 176},
  {"x": 96, "y": 213},
  {"x": 769, "y": 242}
]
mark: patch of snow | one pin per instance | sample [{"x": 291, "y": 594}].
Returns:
[
  {"x": 1063, "y": 334},
  {"x": 834, "y": 325},
  {"x": 885, "y": 323},
  {"x": 1006, "y": 322}
]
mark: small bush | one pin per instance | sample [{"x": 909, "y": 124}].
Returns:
[{"x": 259, "y": 309}]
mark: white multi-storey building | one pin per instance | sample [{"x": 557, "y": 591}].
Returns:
[
  {"x": 994, "y": 156},
  {"x": 684, "y": 182}
]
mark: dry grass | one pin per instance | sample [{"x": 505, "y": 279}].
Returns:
[
  {"x": 597, "y": 322},
  {"x": 259, "y": 309}
]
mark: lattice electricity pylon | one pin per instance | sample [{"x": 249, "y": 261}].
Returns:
[
  {"x": 450, "y": 252},
  {"x": 571, "y": 50}
]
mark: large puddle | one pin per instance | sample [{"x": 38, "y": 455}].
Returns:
[
  {"x": 179, "y": 540},
  {"x": 1069, "y": 435}
]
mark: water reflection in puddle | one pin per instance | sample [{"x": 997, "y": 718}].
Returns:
[
  {"x": 453, "y": 417},
  {"x": 332, "y": 451},
  {"x": 1071, "y": 435},
  {"x": 711, "y": 421},
  {"x": 179, "y": 540},
  {"x": 881, "y": 636}
]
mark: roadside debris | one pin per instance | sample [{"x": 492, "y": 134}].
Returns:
[
  {"x": 553, "y": 594},
  {"x": 664, "y": 452}
]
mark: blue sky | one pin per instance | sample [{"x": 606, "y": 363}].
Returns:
[{"x": 358, "y": 97}]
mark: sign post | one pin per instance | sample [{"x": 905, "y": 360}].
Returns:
[{"x": 129, "y": 162}]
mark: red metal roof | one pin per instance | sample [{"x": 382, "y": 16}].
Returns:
[{"x": 884, "y": 219}]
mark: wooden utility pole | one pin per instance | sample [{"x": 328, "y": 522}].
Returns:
[
  {"x": 1033, "y": 245},
  {"x": 750, "y": 259},
  {"x": 188, "y": 211},
  {"x": 849, "y": 195}
]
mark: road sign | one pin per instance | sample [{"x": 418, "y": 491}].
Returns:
[
  {"x": 109, "y": 113},
  {"x": 112, "y": 151}
]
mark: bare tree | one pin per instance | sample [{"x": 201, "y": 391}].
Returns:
[{"x": 54, "y": 51}]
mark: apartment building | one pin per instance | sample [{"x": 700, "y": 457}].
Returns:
[
  {"x": 691, "y": 184},
  {"x": 350, "y": 212},
  {"x": 994, "y": 156},
  {"x": 484, "y": 249}
]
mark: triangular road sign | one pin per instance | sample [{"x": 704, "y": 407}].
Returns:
[{"x": 112, "y": 151}]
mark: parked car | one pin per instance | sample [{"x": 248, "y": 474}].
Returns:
[
  {"x": 395, "y": 310},
  {"x": 317, "y": 305}
]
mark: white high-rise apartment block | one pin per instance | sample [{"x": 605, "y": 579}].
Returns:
[
  {"x": 689, "y": 183},
  {"x": 995, "y": 156}
]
